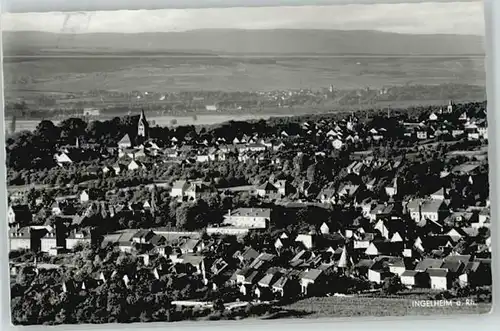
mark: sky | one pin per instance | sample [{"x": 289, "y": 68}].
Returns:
[{"x": 414, "y": 18}]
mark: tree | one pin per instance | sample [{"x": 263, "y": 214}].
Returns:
[
  {"x": 392, "y": 285},
  {"x": 311, "y": 173},
  {"x": 185, "y": 216}
]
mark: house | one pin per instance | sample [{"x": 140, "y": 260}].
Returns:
[
  {"x": 137, "y": 165},
  {"x": 283, "y": 186},
  {"x": 413, "y": 278},
  {"x": 438, "y": 195},
  {"x": 328, "y": 194},
  {"x": 397, "y": 266},
  {"x": 310, "y": 282},
  {"x": 247, "y": 256},
  {"x": 384, "y": 248},
  {"x": 191, "y": 246},
  {"x": 197, "y": 262},
  {"x": 179, "y": 188},
  {"x": 482, "y": 223},
  {"x": 65, "y": 158},
  {"x": 422, "y": 133},
  {"x": 266, "y": 189},
  {"x": 77, "y": 237},
  {"x": 198, "y": 190},
  {"x": 430, "y": 243},
  {"x": 430, "y": 209},
  {"x": 54, "y": 238},
  {"x": 142, "y": 236},
  {"x": 380, "y": 226},
  {"x": 132, "y": 153},
  {"x": 265, "y": 283},
  {"x": 324, "y": 229},
  {"x": 254, "y": 218},
  {"x": 377, "y": 275},
  {"x": 392, "y": 189},
  {"x": 363, "y": 266},
  {"x": 89, "y": 195},
  {"x": 396, "y": 237},
  {"x": 439, "y": 278},
  {"x": 107, "y": 170},
  {"x": 27, "y": 237},
  {"x": 458, "y": 233},
  {"x": 19, "y": 214},
  {"x": 118, "y": 168},
  {"x": 306, "y": 239},
  {"x": 383, "y": 210},
  {"x": 125, "y": 142},
  {"x": 476, "y": 273},
  {"x": 287, "y": 285},
  {"x": 348, "y": 190},
  {"x": 425, "y": 264}
]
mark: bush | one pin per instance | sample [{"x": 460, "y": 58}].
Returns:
[
  {"x": 392, "y": 285},
  {"x": 215, "y": 316}
]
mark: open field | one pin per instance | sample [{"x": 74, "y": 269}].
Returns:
[
  {"x": 52, "y": 75},
  {"x": 377, "y": 307}
]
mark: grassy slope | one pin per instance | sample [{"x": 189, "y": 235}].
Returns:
[{"x": 376, "y": 307}]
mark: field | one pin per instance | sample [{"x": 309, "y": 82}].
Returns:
[
  {"x": 376, "y": 307},
  {"x": 114, "y": 72},
  {"x": 31, "y": 76}
]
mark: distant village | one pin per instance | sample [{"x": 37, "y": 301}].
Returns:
[{"x": 396, "y": 213}]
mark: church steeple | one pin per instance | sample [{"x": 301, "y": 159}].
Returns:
[
  {"x": 143, "y": 126},
  {"x": 450, "y": 107}
]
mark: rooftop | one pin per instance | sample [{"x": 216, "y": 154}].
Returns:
[{"x": 250, "y": 212}]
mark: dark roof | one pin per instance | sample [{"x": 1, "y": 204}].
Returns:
[
  {"x": 434, "y": 242},
  {"x": 365, "y": 263},
  {"x": 250, "y": 278},
  {"x": 249, "y": 254},
  {"x": 250, "y": 212},
  {"x": 428, "y": 264},
  {"x": 453, "y": 266},
  {"x": 409, "y": 273},
  {"x": 472, "y": 267},
  {"x": 267, "y": 186},
  {"x": 437, "y": 272},
  {"x": 269, "y": 278},
  {"x": 463, "y": 258},
  {"x": 312, "y": 274},
  {"x": 20, "y": 209},
  {"x": 157, "y": 240}
]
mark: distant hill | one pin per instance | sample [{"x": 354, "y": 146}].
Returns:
[{"x": 250, "y": 42}]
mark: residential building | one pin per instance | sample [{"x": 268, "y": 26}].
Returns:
[{"x": 253, "y": 218}]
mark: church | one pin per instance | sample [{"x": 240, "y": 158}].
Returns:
[
  {"x": 143, "y": 126},
  {"x": 142, "y": 134}
]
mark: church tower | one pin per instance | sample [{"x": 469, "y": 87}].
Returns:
[
  {"x": 143, "y": 126},
  {"x": 450, "y": 107}
]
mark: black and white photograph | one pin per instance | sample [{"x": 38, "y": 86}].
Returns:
[{"x": 247, "y": 163}]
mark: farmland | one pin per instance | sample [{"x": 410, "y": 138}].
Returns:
[{"x": 52, "y": 75}]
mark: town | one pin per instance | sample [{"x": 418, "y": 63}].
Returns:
[{"x": 124, "y": 221}]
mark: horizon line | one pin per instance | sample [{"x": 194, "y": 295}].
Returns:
[{"x": 62, "y": 32}]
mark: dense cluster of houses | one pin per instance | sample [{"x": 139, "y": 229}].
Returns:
[
  {"x": 441, "y": 247},
  {"x": 138, "y": 152}
]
